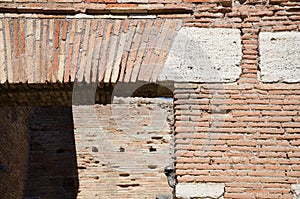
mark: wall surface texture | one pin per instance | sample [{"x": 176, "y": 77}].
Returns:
[
  {"x": 14, "y": 150},
  {"x": 235, "y": 69},
  {"x": 123, "y": 148},
  {"x": 52, "y": 171},
  {"x": 245, "y": 138}
]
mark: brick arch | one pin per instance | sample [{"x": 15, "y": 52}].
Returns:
[{"x": 39, "y": 50}]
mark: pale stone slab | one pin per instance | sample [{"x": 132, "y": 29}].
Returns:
[
  {"x": 201, "y": 190},
  {"x": 279, "y": 57},
  {"x": 204, "y": 55},
  {"x": 295, "y": 188}
]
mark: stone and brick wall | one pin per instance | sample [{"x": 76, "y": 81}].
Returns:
[
  {"x": 123, "y": 148},
  {"x": 236, "y": 103},
  {"x": 244, "y": 137},
  {"x": 27, "y": 31},
  {"x": 14, "y": 150}
]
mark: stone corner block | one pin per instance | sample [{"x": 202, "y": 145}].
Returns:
[
  {"x": 201, "y": 190},
  {"x": 204, "y": 55},
  {"x": 295, "y": 188},
  {"x": 279, "y": 57}
]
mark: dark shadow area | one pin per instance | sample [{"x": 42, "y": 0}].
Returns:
[
  {"x": 154, "y": 90},
  {"x": 52, "y": 168},
  {"x": 103, "y": 93},
  {"x": 14, "y": 150},
  {"x": 144, "y": 89}
]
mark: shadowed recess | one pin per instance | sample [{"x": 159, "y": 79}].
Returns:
[{"x": 52, "y": 169}]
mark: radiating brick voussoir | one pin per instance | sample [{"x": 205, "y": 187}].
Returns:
[{"x": 56, "y": 52}]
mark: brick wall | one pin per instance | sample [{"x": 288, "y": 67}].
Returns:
[
  {"x": 241, "y": 135},
  {"x": 14, "y": 151},
  {"x": 123, "y": 148},
  {"x": 246, "y": 137},
  {"x": 56, "y": 35},
  {"x": 52, "y": 171}
]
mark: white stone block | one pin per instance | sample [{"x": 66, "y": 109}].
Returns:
[
  {"x": 279, "y": 57},
  {"x": 201, "y": 190},
  {"x": 204, "y": 55},
  {"x": 295, "y": 188}
]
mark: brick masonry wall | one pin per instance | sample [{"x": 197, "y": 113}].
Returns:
[
  {"x": 14, "y": 150},
  {"x": 247, "y": 129},
  {"x": 52, "y": 171},
  {"x": 123, "y": 148},
  {"x": 251, "y": 17},
  {"x": 246, "y": 137}
]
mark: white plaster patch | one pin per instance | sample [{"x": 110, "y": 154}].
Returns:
[
  {"x": 295, "y": 188},
  {"x": 204, "y": 55},
  {"x": 201, "y": 190},
  {"x": 279, "y": 57}
]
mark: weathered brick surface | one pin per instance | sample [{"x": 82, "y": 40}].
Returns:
[
  {"x": 122, "y": 148},
  {"x": 57, "y": 52},
  {"x": 66, "y": 60},
  {"x": 245, "y": 137},
  {"x": 14, "y": 150}
]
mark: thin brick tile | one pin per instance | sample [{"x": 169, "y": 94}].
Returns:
[
  {"x": 117, "y": 27},
  {"x": 119, "y": 54},
  {"x": 165, "y": 50},
  {"x": 29, "y": 50},
  {"x": 76, "y": 49},
  {"x": 56, "y": 47},
  {"x": 158, "y": 49},
  {"x": 104, "y": 50},
  {"x": 126, "y": 25},
  {"x": 114, "y": 40},
  {"x": 57, "y": 33},
  {"x": 16, "y": 50},
  {"x": 141, "y": 51},
  {"x": 22, "y": 76},
  {"x": 83, "y": 57},
  {"x": 150, "y": 49},
  {"x": 44, "y": 56},
  {"x": 50, "y": 50},
  {"x": 7, "y": 30},
  {"x": 38, "y": 51},
  {"x": 62, "y": 52},
  {"x": 2, "y": 55},
  {"x": 88, "y": 67},
  {"x": 55, "y": 65},
  {"x": 64, "y": 30},
  {"x": 67, "y": 71},
  {"x": 129, "y": 39},
  {"x": 134, "y": 50},
  {"x": 98, "y": 44},
  {"x": 126, "y": 48}
]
